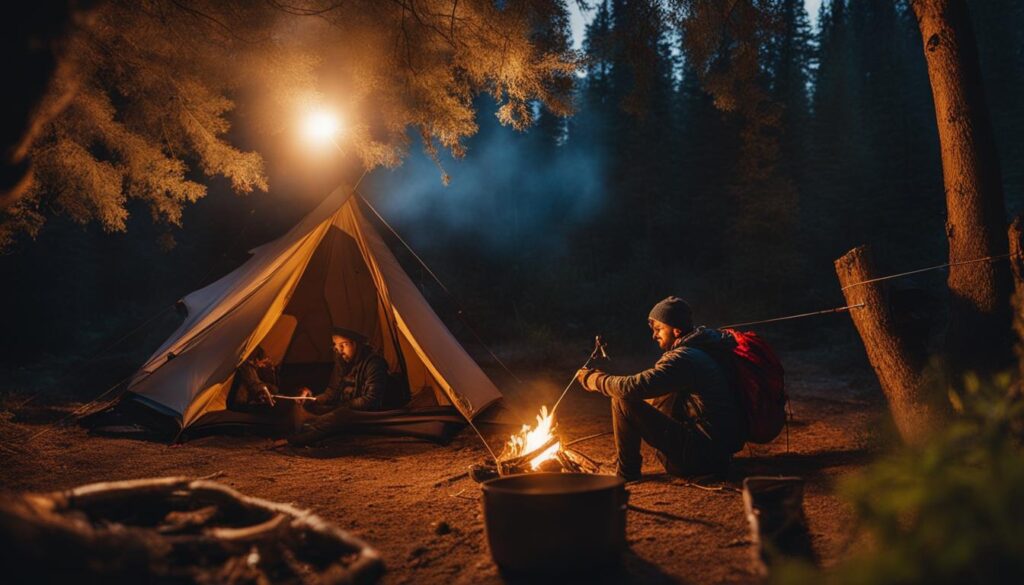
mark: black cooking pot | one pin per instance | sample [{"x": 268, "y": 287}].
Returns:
[{"x": 555, "y": 522}]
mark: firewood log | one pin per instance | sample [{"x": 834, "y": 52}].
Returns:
[
  {"x": 263, "y": 531},
  {"x": 584, "y": 463},
  {"x": 520, "y": 461}
]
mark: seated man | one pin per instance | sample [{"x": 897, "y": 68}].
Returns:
[
  {"x": 683, "y": 406},
  {"x": 256, "y": 382},
  {"x": 359, "y": 383}
]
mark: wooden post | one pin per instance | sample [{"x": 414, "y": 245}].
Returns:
[
  {"x": 899, "y": 367},
  {"x": 1017, "y": 265}
]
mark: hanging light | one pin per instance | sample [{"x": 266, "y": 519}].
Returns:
[{"x": 322, "y": 126}]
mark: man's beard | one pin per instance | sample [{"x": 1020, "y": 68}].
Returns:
[{"x": 345, "y": 360}]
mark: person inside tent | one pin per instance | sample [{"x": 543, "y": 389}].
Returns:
[
  {"x": 683, "y": 406},
  {"x": 256, "y": 383},
  {"x": 359, "y": 384}
]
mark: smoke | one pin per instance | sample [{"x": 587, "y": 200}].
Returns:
[{"x": 512, "y": 190}]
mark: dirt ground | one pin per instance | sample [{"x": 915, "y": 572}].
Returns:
[{"x": 392, "y": 492}]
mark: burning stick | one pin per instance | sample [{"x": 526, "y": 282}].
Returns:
[
  {"x": 534, "y": 458},
  {"x": 536, "y": 448},
  {"x": 564, "y": 460},
  {"x": 539, "y": 445},
  {"x": 295, "y": 398},
  {"x": 534, "y": 445},
  {"x": 567, "y": 463}
]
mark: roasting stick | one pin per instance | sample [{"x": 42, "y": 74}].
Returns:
[
  {"x": 295, "y": 398},
  {"x": 599, "y": 349}
]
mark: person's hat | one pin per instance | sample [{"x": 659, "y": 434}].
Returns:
[
  {"x": 348, "y": 334},
  {"x": 674, "y": 312}
]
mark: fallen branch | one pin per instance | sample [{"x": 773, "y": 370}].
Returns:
[
  {"x": 459, "y": 495},
  {"x": 709, "y": 488},
  {"x": 452, "y": 479},
  {"x": 114, "y": 491},
  {"x": 262, "y": 531},
  {"x": 212, "y": 476},
  {"x": 191, "y": 531}
]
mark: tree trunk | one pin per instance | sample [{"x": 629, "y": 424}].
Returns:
[
  {"x": 899, "y": 366},
  {"x": 1017, "y": 264},
  {"x": 979, "y": 336}
]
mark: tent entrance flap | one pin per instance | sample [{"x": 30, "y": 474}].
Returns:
[{"x": 338, "y": 290}]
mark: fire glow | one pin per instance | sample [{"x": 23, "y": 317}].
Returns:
[{"x": 530, "y": 439}]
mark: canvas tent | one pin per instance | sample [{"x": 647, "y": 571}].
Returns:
[{"x": 331, "y": 270}]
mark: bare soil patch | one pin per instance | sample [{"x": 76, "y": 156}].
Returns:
[{"x": 393, "y": 492}]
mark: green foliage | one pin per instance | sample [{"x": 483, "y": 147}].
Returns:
[
  {"x": 950, "y": 511},
  {"x": 146, "y": 90}
]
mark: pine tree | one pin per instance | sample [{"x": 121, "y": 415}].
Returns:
[
  {"x": 736, "y": 49},
  {"x": 900, "y": 213},
  {"x": 555, "y": 33},
  {"x": 1000, "y": 40},
  {"x": 837, "y": 145},
  {"x": 644, "y": 137},
  {"x": 788, "y": 69},
  {"x": 706, "y": 157},
  {"x": 625, "y": 106}
]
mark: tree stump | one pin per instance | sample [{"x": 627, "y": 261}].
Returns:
[{"x": 898, "y": 366}]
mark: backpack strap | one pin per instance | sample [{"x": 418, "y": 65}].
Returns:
[{"x": 696, "y": 331}]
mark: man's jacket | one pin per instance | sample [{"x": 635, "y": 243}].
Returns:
[
  {"x": 691, "y": 384},
  {"x": 253, "y": 373},
  {"x": 361, "y": 385}
]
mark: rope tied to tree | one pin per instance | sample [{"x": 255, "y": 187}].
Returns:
[{"x": 930, "y": 268}]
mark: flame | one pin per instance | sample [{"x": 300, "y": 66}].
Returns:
[{"x": 530, "y": 439}]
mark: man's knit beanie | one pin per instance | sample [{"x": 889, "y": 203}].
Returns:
[{"x": 674, "y": 312}]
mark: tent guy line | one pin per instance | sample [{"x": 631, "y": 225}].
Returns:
[
  {"x": 459, "y": 310},
  {"x": 930, "y": 268},
  {"x": 842, "y": 309}
]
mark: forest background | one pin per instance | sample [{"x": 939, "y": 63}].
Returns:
[{"x": 580, "y": 224}]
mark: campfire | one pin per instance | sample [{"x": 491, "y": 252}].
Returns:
[
  {"x": 534, "y": 449},
  {"x": 533, "y": 445}
]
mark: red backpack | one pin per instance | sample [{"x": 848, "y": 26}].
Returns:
[{"x": 759, "y": 383}]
